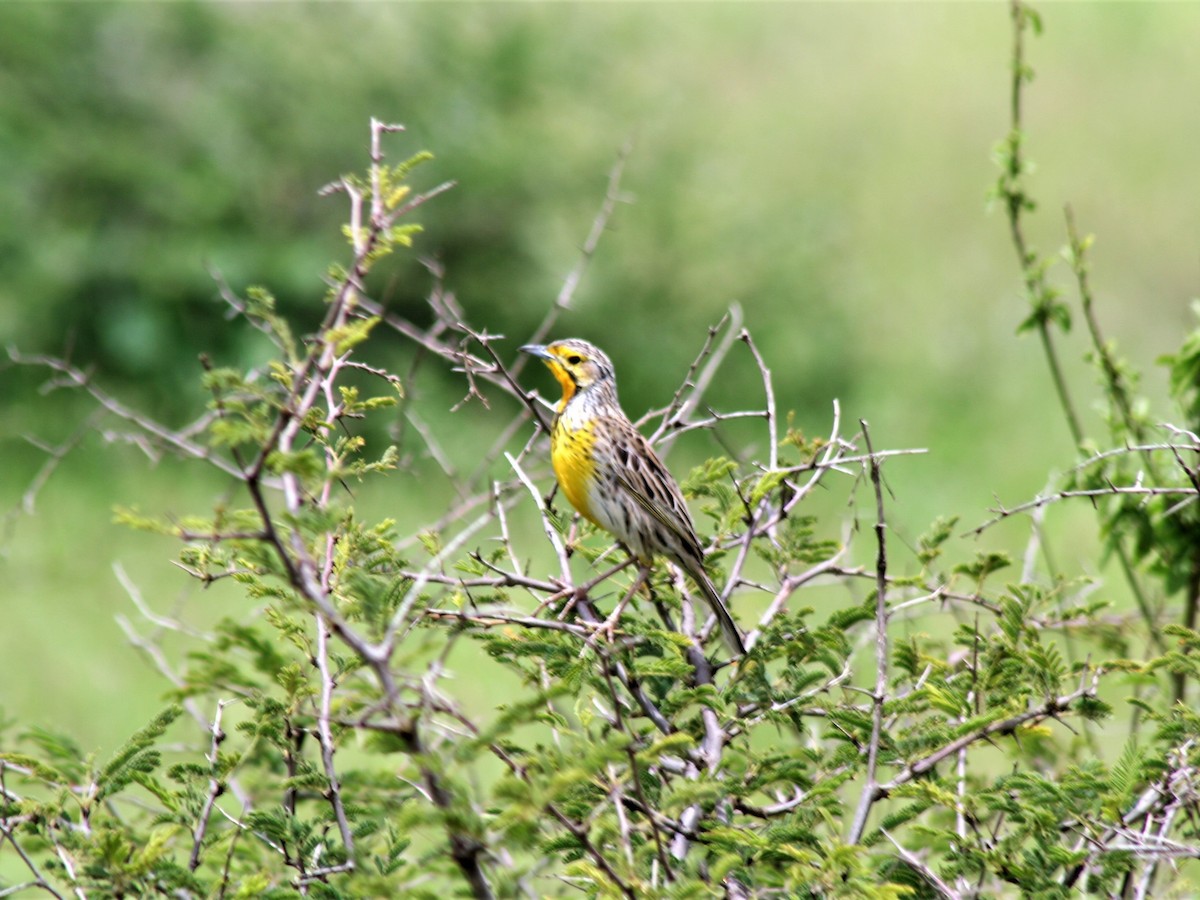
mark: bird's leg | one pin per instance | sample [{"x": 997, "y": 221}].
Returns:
[
  {"x": 579, "y": 592},
  {"x": 609, "y": 626},
  {"x": 643, "y": 578},
  {"x": 572, "y": 537}
]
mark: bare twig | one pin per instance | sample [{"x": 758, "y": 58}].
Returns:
[
  {"x": 325, "y": 736},
  {"x": 166, "y": 437},
  {"x": 39, "y": 880},
  {"x": 677, "y": 417},
  {"x": 870, "y": 790},
  {"x": 566, "y": 293},
  {"x": 216, "y": 787},
  {"x": 1112, "y": 490},
  {"x": 772, "y": 433},
  {"x": 922, "y": 869}
]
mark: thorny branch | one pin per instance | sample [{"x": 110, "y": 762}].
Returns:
[
  {"x": 1016, "y": 202},
  {"x": 879, "y": 695},
  {"x": 216, "y": 787},
  {"x": 1047, "y": 310},
  {"x": 1112, "y": 490}
]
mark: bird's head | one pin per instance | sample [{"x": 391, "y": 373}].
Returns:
[{"x": 575, "y": 364}]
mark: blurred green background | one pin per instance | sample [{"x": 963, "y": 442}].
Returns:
[{"x": 824, "y": 165}]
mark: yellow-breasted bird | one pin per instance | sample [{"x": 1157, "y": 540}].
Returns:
[{"x": 613, "y": 477}]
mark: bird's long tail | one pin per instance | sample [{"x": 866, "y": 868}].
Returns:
[{"x": 729, "y": 629}]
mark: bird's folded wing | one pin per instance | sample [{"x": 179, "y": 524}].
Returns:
[{"x": 668, "y": 509}]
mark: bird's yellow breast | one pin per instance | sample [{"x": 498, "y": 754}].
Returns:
[{"x": 574, "y": 466}]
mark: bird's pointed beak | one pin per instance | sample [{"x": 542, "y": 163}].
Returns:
[{"x": 538, "y": 350}]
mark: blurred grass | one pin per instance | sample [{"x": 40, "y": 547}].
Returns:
[
  {"x": 77, "y": 672},
  {"x": 823, "y": 165}
]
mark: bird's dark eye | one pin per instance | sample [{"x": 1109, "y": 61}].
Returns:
[{"x": 574, "y": 359}]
